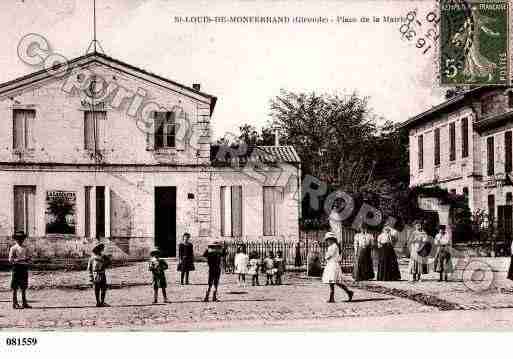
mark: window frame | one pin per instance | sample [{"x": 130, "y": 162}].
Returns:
[
  {"x": 167, "y": 134},
  {"x": 27, "y": 129}
]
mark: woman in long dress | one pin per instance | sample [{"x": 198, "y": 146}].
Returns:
[
  {"x": 332, "y": 274},
  {"x": 388, "y": 267},
  {"x": 443, "y": 262},
  {"x": 419, "y": 245},
  {"x": 510, "y": 272},
  {"x": 363, "y": 266}
]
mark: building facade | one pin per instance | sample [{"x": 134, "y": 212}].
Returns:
[
  {"x": 107, "y": 151},
  {"x": 465, "y": 146}
]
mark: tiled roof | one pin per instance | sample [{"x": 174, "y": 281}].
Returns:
[{"x": 264, "y": 154}]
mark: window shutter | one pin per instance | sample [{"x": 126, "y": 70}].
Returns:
[
  {"x": 89, "y": 130},
  {"x": 18, "y": 129},
  {"x": 150, "y": 132},
  {"x": 181, "y": 127},
  {"x": 236, "y": 211},
  {"x": 268, "y": 211},
  {"x": 101, "y": 125},
  {"x": 226, "y": 217}
]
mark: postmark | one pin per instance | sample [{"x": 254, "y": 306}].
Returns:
[{"x": 474, "y": 46}]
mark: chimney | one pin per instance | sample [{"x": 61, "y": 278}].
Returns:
[
  {"x": 276, "y": 138},
  {"x": 196, "y": 86}
]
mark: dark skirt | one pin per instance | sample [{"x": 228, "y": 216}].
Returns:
[
  {"x": 510, "y": 272},
  {"x": 19, "y": 278},
  {"x": 388, "y": 267},
  {"x": 186, "y": 265},
  {"x": 363, "y": 269},
  {"x": 159, "y": 281}
]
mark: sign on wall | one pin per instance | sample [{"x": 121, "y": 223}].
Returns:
[{"x": 60, "y": 212}]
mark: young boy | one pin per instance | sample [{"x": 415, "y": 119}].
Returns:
[
  {"x": 157, "y": 267},
  {"x": 253, "y": 268},
  {"x": 214, "y": 255},
  {"x": 19, "y": 258},
  {"x": 268, "y": 268},
  {"x": 96, "y": 267},
  {"x": 279, "y": 266}
]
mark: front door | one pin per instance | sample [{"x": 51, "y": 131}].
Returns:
[
  {"x": 165, "y": 220},
  {"x": 505, "y": 224}
]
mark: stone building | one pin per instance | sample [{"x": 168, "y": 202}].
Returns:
[
  {"x": 465, "y": 146},
  {"x": 104, "y": 150}
]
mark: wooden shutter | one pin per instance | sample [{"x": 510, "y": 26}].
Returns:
[
  {"x": 226, "y": 211},
  {"x": 271, "y": 198},
  {"x": 452, "y": 141},
  {"x": 89, "y": 131},
  {"x": 437, "y": 146},
  {"x": 101, "y": 124},
  {"x": 464, "y": 137},
  {"x": 490, "y": 156},
  {"x": 508, "y": 165},
  {"x": 18, "y": 129},
  {"x": 24, "y": 209},
  {"x": 420, "y": 145},
  {"x": 236, "y": 211}
]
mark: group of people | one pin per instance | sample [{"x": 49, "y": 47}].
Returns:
[
  {"x": 421, "y": 248},
  {"x": 272, "y": 266}
]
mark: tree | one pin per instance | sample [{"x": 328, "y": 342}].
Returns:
[{"x": 330, "y": 133}]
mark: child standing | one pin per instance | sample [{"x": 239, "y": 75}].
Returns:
[
  {"x": 19, "y": 258},
  {"x": 186, "y": 258},
  {"x": 254, "y": 266},
  {"x": 214, "y": 255},
  {"x": 157, "y": 267},
  {"x": 268, "y": 268},
  {"x": 241, "y": 265},
  {"x": 279, "y": 266},
  {"x": 96, "y": 267}
]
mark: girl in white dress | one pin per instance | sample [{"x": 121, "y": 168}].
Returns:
[
  {"x": 241, "y": 265},
  {"x": 332, "y": 274}
]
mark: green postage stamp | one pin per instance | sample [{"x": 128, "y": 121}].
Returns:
[{"x": 474, "y": 42}]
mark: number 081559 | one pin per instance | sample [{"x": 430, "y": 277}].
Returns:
[{"x": 17, "y": 341}]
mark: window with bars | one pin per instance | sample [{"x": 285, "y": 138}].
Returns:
[
  {"x": 24, "y": 209},
  {"x": 508, "y": 159},
  {"x": 23, "y": 124},
  {"x": 464, "y": 137},
  {"x": 452, "y": 141},
  {"x": 420, "y": 145},
  {"x": 231, "y": 211},
  {"x": 93, "y": 124},
  {"x": 490, "y": 150},
  {"x": 437, "y": 146},
  {"x": 165, "y": 130},
  {"x": 272, "y": 197}
]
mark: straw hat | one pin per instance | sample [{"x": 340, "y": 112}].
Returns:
[
  {"x": 154, "y": 252},
  {"x": 215, "y": 243},
  {"x": 19, "y": 235},
  {"x": 98, "y": 248},
  {"x": 330, "y": 235}
]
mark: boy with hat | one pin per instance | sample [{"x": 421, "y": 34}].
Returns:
[
  {"x": 214, "y": 255},
  {"x": 157, "y": 267},
  {"x": 96, "y": 267},
  {"x": 19, "y": 258}
]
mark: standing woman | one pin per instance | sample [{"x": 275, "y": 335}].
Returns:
[
  {"x": 443, "y": 263},
  {"x": 420, "y": 247},
  {"x": 185, "y": 258},
  {"x": 363, "y": 267},
  {"x": 388, "y": 267},
  {"x": 332, "y": 274},
  {"x": 510, "y": 272}
]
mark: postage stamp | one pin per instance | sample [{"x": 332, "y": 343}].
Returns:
[{"x": 474, "y": 46}]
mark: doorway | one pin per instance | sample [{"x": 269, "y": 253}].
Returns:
[{"x": 165, "y": 220}]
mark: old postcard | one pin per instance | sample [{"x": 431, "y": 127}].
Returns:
[{"x": 255, "y": 165}]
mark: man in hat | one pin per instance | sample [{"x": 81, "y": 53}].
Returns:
[
  {"x": 19, "y": 258},
  {"x": 98, "y": 263},
  {"x": 214, "y": 255},
  {"x": 157, "y": 267}
]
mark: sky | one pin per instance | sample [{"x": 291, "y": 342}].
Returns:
[{"x": 243, "y": 65}]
